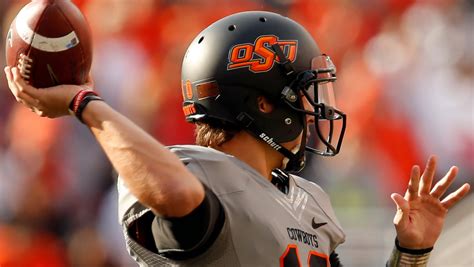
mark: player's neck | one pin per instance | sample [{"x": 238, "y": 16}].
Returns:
[{"x": 255, "y": 153}]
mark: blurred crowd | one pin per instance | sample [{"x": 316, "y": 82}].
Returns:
[{"x": 405, "y": 80}]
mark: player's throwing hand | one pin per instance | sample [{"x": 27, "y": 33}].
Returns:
[{"x": 52, "y": 102}]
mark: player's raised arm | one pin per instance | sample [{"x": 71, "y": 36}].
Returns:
[{"x": 152, "y": 173}]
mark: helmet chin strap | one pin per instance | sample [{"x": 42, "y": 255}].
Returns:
[
  {"x": 286, "y": 160},
  {"x": 294, "y": 160}
]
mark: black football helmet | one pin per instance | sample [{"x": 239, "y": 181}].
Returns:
[{"x": 250, "y": 54}]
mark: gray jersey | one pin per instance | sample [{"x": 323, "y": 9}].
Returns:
[{"x": 263, "y": 226}]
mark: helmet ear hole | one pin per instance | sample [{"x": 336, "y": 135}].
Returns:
[{"x": 264, "y": 105}]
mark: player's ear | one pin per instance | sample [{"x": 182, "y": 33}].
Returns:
[{"x": 264, "y": 105}]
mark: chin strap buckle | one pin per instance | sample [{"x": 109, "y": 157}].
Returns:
[
  {"x": 288, "y": 94},
  {"x": 245, "y": 119}
]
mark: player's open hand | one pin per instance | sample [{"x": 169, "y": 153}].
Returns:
[
  {"x": 421, "y": 213},
  {"x": 52, "y": 102}
]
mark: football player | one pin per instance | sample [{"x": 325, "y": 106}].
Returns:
[{"x": 255, "y": 83}]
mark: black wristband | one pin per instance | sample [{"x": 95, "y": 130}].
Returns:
[
  {"x": 408, "y": 257},
  {"x": 85, "y": 101},
  {"x": 412, "y": 251}
]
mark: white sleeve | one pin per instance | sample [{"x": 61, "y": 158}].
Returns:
[{"x": 125, "y": 200}]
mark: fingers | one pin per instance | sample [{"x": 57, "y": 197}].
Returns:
[
  {"x": 455, "y": 197},
  {"x": 89, "y": 83},
  {"x": 440, "y": 187},
  {"x": 401, "y": 218},
  {"x": 11, "y": 83},
  {"x": 26, "y": 93},
  {"x": 427, "y": 177},
  {"x": 412, "y": 191},
  {"x": 20, "y": 89},
  {"x": 22, "y": 86}
]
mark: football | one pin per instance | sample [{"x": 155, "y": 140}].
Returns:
[{"x": 50, "y": 42}]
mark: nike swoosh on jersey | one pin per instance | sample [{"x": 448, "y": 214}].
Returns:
[{"x": 317, "y": 225}]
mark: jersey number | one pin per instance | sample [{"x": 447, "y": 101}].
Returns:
[{"x": 290, "y": 258}]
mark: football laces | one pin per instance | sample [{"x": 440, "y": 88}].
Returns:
[{"x": 24, "y": 65}]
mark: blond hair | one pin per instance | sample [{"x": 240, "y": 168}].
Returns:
[{"x": 212, "y": 135}]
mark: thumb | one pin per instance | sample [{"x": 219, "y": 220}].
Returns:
[
  {"x": 89, "y": 83},
  {"x": 403, "y": 209},
  {"x": 401, "y": 203}
]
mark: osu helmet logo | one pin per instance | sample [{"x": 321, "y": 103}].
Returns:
[{"x": 259, "y": 56}]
